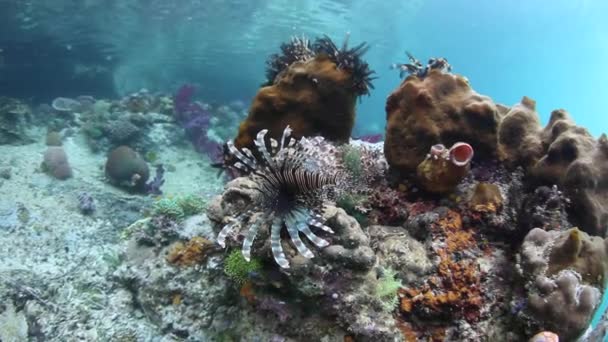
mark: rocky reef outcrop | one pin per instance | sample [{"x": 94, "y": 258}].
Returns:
[
  {"x": 561, "y": 154},
  {"x": 566, "y": 274},
  {"x": 442, "y": 108}
]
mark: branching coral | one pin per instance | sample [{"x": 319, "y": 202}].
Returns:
[{"x": 290, "y": 188}]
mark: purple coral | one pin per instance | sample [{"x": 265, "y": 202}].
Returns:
[
  {"x": 195, "y": 120},
  {"x": 153, "y": 186}
]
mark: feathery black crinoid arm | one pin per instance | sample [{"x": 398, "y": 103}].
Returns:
[
  {"x": 297, "y": 49},
  {"x": 350, "y": 60},
  {"x": 290, "y": 187}
]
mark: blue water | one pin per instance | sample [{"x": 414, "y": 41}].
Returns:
[
  {"x": 552, "y": 51},
  {"x": 601, "y": 310}
]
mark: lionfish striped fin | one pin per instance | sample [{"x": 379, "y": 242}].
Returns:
[
  {"x": 251, "y": 234},
  {"x": 286, "y": 134},
  {"x": 294, "y": 232},
  {"x": 260, "y": 144},
  {"x": 304, "y": 217},
  {"x": 317, "y": 221},
  {"x": 248, "y": 153},
  {"x": 274, "y": 145},
  {"x": 275, "y": 243},
  {"x": 240, "y": 156},
  {"x": 241, "y": 166}
]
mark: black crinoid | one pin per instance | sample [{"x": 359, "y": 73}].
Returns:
[
  {"x": 292, "y": 180},
  {"x": 298, "y": 49},
  {"x": 350, "y": 60}
]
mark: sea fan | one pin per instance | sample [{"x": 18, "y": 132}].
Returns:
[
  {"x": 349, "y": 60},
  {"x": 298, "y": 49},
  {"x": 291, "y": 182}
]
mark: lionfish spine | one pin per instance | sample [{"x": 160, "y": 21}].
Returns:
[
  {"x": 260, "y": 144},
  {"x": 275, "y": 243},
  {"x": 251, "y": 233},
  {"x": 286, "y": 134},
  {"x": 304, "y": 217},
  {"x": 250, "y": 163},
  {"x": 293, "y": 228}
]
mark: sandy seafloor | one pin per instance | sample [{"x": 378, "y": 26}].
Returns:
[{"x": 56, "y": 264}]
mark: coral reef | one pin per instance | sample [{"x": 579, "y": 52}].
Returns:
[
  {"x": 456, "y": 290},
  {"x": 315, "y": 93},
  {"x": 13, "y": 325},
  {"x": 564, "y": 304},
  {"x": 56, "y": 163},
  {"x": 438, "y": 109},
  {"x": 563, "y": 154},
  {"x": 549, "y": 252},
  {"x": 566, "y": 272},
  {"x": 397, "y": 250},
  {"x": 315, "y": 238},
  {"x": 518, "y": 137}
]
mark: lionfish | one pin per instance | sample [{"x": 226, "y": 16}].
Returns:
[{"x": 291, "y": 181}]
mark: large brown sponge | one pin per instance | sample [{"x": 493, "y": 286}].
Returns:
[
  {"x": 563, "y": 154},
  {"x": 438, "y": 109},
  {"x": 314, "y": 97}
]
